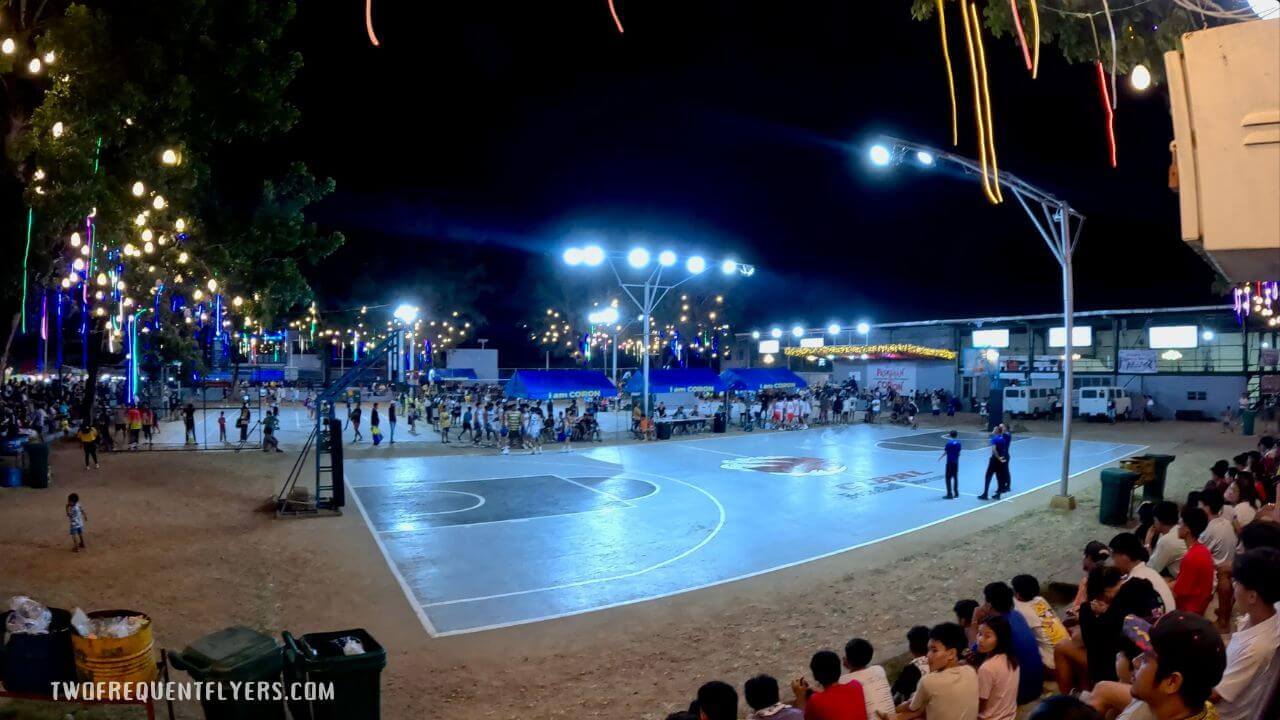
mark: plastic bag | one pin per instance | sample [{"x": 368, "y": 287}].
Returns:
[
  {"x": 351, "y": 646},
  {"x": 28, "y": 617},
  {"x": 81, "y": 623},
  {"x": 106, "y": 627}
]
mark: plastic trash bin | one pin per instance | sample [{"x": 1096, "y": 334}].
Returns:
[
  {"x": 662, "y": 430},
  {"x": 37, "y": 465},
  {"x": 356, "y": 679},
  {"x": 1247, "y": 418},
  {"x": 1117, "y": 494},
  {"x": 1155, "y": 490},
  {"x": 11, "y": 477},
  {"x": 236, "y": 654},
  {"x": 30, "y": 664},
  {"x": 719, "y": 424}
]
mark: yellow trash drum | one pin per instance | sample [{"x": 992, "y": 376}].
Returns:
[{"x": 118, "y": 647}]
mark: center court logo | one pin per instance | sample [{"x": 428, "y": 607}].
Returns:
[{"x": 785, "y": 465}]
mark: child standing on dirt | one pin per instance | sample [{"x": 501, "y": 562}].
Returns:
[
  {"x": 1226, "y": 420},
  {"x": 76, "y": 516}
]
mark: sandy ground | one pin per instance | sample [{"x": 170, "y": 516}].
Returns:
[{"x": 181, "y": 536}]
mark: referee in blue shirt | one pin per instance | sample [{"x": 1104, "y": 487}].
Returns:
[{"x": 952, "y": 453}]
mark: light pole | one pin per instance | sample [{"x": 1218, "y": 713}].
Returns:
[
  {"x": 608, "y": 316},
  {"x": 648, "y": 292},
  {"x": 406, "y": 314},
  {"x": 1058, "y": 224}
]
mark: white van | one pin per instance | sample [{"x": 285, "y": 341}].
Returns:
[
  {"x": 1028, "y": 401},
  {"x": 1092, "y": 401}
]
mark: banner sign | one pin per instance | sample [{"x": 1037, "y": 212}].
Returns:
[
  {"x": 1138, "y": 362},
  {"x": 899, "y": 376}
]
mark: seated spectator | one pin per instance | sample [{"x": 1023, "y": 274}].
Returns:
[
  {"x": 1095, "y": 554},
  {"x": 1040, "y": 617},
  {"x": 1218, "y": 476},
  {"x": 1129, "y": 556},
  {"x": 834, "y": 701},
  {"x": 1182, "y": 660},
  {"x": 761, "y": 694},
  {"x": 1219, "y": 537},
  {"x": 998, "y": 675},
  {"x": 1063, "y": 707},
  {"x": 918, "y": 644},
  {"x": 1260, "y": 534},
  {"x": 1252, "y": 662},
  {"x": 1168, "y": 548},
  {"x": 1246, "y": 497},
  {"x": 1111, "y": 599},
  {"x": 964, "y": 610},
  {"x": 1193, "y": 590},
  {"x": 999, "y": 597},
  {"x": 717, "y": 701},
  {"x": 875, "y": 685},
  {"x": 949, "y": 691}
]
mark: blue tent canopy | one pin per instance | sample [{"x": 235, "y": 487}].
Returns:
[
  {"x": 559, "y": 384},
  {"x": 455, "y": 374},
  {"x": 677, "y": 380},
  {"x": 756, "y": 379}
]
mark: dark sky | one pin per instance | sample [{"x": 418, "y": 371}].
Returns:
[{"x": 491, "y": 132}]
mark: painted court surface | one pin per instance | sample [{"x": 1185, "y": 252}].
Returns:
[{"x": 479, "y": 542}]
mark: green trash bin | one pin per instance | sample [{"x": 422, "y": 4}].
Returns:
[
  {"x": 1117, "y": 494},
  {"x": 37, "y": 465},
  {"x": 236, "y": 654},
  {"x": 1154, "y": 491},
  {"x": 1246, "y": 421},
  {"x": 356, "y": 679}
]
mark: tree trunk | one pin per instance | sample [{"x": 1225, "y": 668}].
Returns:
[
  {"x": 8, "y": 343},
  {"x": 91, "y": 374}
]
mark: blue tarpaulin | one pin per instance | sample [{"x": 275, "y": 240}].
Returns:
[
  {"x": 559, "y": 384},
  {"x": 756, "y": 379},
  {"x": 676, "y": 381}
]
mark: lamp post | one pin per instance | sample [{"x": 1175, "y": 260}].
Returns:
[
  {"x": 406, "y": 314},
  {"x": 1058, "y": 224},
  {"x": 608, "y": 316},
  {"x": 648, "y": 292}
]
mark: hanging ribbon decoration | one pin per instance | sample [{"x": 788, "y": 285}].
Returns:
[
  {"x": 31, "y": 218},
  {"x": 368, "y": 22},
  {"x": 1102, "y": 91},
  {"x": 981, "y": 103},
  {"x": 1035, "y": 40},
  {"x": 1106, "y": 9},
  {"x": 614, "y": 12},
  {"x": 1022, "y": 36},
  {"x": 951, "y": 82},
  {"x": 986, "y": 101}
]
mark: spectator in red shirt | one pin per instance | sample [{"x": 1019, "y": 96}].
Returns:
[
  {"x": 834, "y": 701},
  {"x": 1197, "y": 578}
]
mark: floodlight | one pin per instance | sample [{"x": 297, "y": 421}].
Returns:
[
  {"x": 666, "y": 258},
  {"x": 573, "y": 256},
  {"x": 406, "y": 313},
  {"x": 797, "y": 331},
  {"x": 880, "y": 155},
  {"x": 864, "y": 328},
  {"x": 728, "y": 266},
  {"x": 776, "y": 333},
  {"x": 695, "y": 264},
  {"x": 924, "y": 158},
  {"x": 833, "y": 329},
  {"x": 592, "y": 255},
  {"x": 638, "y": 258}
]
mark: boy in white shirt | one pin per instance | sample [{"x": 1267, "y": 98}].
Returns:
[
  {"x": 1169, "y": 549},
  {"x": 1252, "y": 662},
  {"x": 875, "y": 685}
]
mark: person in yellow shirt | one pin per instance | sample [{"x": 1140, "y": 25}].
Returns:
[{"x": 88, "y": 437}]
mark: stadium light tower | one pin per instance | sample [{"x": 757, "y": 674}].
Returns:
[
  {"x": 647, "y": 293},
  {"x": 1058, "y": 224}
]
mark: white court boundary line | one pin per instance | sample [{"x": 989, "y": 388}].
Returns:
[
  {"x": 633, "y": 601},
  {"x": 404, "y": 586}
]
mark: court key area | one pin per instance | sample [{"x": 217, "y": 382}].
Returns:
[{"x": 482, "y": 542}]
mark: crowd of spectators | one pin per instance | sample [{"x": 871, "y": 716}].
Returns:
[{"x": 1175, "y": 620}]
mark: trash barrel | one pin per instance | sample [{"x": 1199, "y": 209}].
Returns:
[
  {"x": 719, "y": 424},
  {"x": 106, "y": 659},
  {"x": 1155, "y": 490},
  {"x": 31, "y": 664},
  {"x": 1117, "y": 493},
  {"x": 11, "y": 477},
  {"x": 37, "y": 465},
  {"x": 236, "y": 654},
  {"x": 356, "y": 679},
  {"x": 1246, "y": 421},
  {"x": 662, "y": 430}
]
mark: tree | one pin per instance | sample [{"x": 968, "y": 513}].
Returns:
[
  {"x": 138, "y": 132},
  {"x": 1144, "y": 31}
]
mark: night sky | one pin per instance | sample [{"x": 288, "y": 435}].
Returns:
[{"x": 495, "y": 133}]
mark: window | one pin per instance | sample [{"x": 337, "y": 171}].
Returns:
[
  {"x": 991, "y": 338},
  {"x": 1088, "y": 394},
  {"x": 1197, "y": 395},
  {"x": 1011, "y": 393}
]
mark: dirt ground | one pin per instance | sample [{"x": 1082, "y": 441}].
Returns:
[{"x": 182, "y": 537}]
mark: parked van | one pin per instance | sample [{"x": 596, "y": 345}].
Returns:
[
  {"x": 1092, "y": 401},
  {"x": 1029, "y": 401}
]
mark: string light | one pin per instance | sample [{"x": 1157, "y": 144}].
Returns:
[
  {"x": 893, "y": 351},
  {"x": 58, "y": 129},
  {"x": 138, "y": 189}
]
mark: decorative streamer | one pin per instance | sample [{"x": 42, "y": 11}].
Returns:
[
  {"x": 1106, "y": 106},
  {"x": 614, "y": 12},
  {"x": 1106, "y": 9},
  {"x": 986, "y": 101},
  {"x": 977, "y": 102},
  {"x": 1035, "y": 40},
  {"x": 1022, "y": 36},
  {"x": 368, "y": 22},
  {"x": 951, "y": 81},
  {"x": 25, "y": 255},
  {"x": 59, "y": 322}
]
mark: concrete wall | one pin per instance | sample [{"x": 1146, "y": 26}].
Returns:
[
  {"x": 483, "y": 361},
  {"x": 1170, "y": 392}
]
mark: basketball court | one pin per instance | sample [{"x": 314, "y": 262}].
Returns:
[{"x": 482, "y": 542}]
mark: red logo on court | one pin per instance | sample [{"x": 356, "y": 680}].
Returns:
[{"x": 785, "y": 465}]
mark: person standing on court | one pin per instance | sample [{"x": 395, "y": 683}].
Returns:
[
  {"x": 951, "y": 451},
  {"x": 997, "y": 465},
  {"x": 1004, "y": 474},
  {"x": 391, "y": 421}
]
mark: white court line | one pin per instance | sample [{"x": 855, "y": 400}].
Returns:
[
  {"x": 717, "y": 452},
  {"x": 592, "y": 581},
  {"x": 611, "y": 496},
  {"x": 633, "y": 601},
  {"x": 404, "y": 586},
  {"x": 926, "y": 487}
]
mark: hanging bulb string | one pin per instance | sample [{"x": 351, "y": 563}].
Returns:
[
  {"x": 1111, "y": 27},
  {"x": 977, "y": 103},
  {"x": 1022, "y": 35},
  {"x": 1035, "y": 39},
  {"x": 986, "y": 102},
  {"x": 616, "y": 20},
  {"x": 951, "y": 81}
]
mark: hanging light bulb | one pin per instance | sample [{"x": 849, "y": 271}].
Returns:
[
  {"x": 98, "y": 295},
  {"x": 84, "y": 250},
  {"x": 65, "y": 283},
  {"x": 163, "y": 240},
  {"x": 197, "y": 294},
  {"x": 75, "y": 239},
  {"x": 212, "y": 285},
  {"x": 149, "y": 248},
  {"x": 179, "y": 224},
  {"x": 78, "y": 264},
  {"x": 158, "y": 202},
  {"x": 34, "y": 66},
  {"x": 38, "y": 174},
  {"x": 102, "y": 278},
  {"x": 8, "y": 46},
  {"x": 140, "y": 219},
  {"x": 57, "y": 129},
  {"x": 147, "y": 234},
  {"x": 120, "y": 285},
  {"x": 138, "y": 189},
  {"x": 238, "y": 301},
  {"x": 49, "y": 57},
  {"x": 178, "y": 278},
  {"x": 73, "y": 277},
  {"x": 129, "y": 249},
  {"x": 170, "y": 157},
  {"x": 182, "y": 257}
]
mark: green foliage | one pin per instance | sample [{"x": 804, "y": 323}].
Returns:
[{"x": 1143, "y": 32}]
